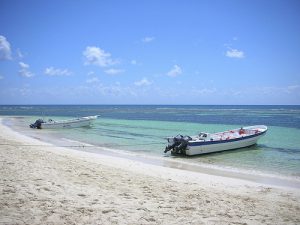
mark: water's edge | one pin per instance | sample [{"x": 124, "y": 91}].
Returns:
[{"x": 253, "y": 176}]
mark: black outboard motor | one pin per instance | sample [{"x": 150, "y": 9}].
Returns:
[
  {"x": 173, "y": 142},
  {"x": 178, "y": 144},
  {"x": 37, "y": 124}
]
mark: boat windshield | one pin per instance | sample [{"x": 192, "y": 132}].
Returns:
[{"x": 203, "y": 135}]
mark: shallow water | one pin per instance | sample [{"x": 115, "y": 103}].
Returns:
[{"x": 142, "y": 129}]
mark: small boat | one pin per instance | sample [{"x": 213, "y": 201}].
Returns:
[
  {"x": 215, "y": 142},
  {"x": 70, "y": 123}
]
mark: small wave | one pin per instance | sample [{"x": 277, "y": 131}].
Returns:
[{"x": 26, "y": 107}]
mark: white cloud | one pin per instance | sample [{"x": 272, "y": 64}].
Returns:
[
  {"x": 1, "y": 77},
  {"x": 133, "y": 62},
  {"x": 93, "y": 80},
  {"x": 96, "y": 56},
  {"x": 5, "y": 52},
  {"x": 292, "y": 88},
  {"x": 143, "y": 82},
  {"x": 273, "y": 90},
  {"x": 205, "y": 91},
  {"x": 51, "y": 71},
  {"x": 20, "y": 54},
  {"x": 148, "y": 39},
  {"x": 234, "y": 53},
  {"x": 91, "y": 73},
  {"x": 175, "y": 71},
  {"x": 25, "y": 90},
  {"x": 268, "y": 90},
  {"x": 24, "y": 70},
  {"x": 113, "y": 71}
]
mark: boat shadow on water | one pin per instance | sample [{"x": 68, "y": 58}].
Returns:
[{"x": 283, "y": 150}]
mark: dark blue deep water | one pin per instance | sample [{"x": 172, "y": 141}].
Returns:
[{"x": 285, "y": 116}]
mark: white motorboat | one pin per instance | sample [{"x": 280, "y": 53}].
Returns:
[
  {"x": 70, "y": 123},
  {"x": 215, "y": 142}
]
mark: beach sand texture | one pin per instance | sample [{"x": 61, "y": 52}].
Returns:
[{"x": 50, "y": 185}]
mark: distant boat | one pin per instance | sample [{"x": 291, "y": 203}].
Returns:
[
  {"x": 70, "y": 123},
  {"x": 215, "y": 142}
]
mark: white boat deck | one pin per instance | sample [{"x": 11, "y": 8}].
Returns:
[
  {"x": 230, "y": 134},
  {"x": 69, "y": 123}
]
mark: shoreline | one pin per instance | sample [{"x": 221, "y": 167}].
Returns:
[
  {"x": 54, "y": 185},
  {"x": 166, "y": 162}
]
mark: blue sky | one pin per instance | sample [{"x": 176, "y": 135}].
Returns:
[{"x": 149, "y": 52}]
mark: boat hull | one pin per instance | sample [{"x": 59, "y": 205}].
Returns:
[
  {"x": 222, "y": 145},
  {"x": 215, "y": 142},
  {"x": 73, "y": 123}
]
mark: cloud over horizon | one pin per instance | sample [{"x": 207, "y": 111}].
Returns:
[
  {"x": 24, "y": 70},
  {"x": 234, "y": 53},
  {"x": 5, "y": 51},
  {"x": 148, "y": 39},
  {"x": 51, "y": 71},
  {"x": 143, "y": 82},
  {"x": 96, "y": 56},
  {"x": 113, "y": 71},
  {"x": 92, "y": 80},
  {"x": 175, "y": 71}
]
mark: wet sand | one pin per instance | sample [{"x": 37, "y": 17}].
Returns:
[{"x": 44, "y": 184}]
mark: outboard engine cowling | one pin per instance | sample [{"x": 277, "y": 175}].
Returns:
[
  {"x": 173, "y": 142},
  {"x": 178, "y": 144},
  {"x": 37, "y": 124}
]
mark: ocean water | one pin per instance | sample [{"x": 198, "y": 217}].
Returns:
[{"x": 141, "y": 130}]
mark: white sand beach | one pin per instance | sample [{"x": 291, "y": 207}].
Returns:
[{"x": 44, "y": 184}]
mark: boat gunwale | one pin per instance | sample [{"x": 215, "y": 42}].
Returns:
[
  {"x": 68, "y": 121},
  {"x": 199, "y": 143}
]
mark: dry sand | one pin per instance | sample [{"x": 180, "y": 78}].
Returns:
[{"x": 51, "y": 185}]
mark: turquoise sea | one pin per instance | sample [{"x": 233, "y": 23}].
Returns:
[{"x": 139, "y": 130}]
